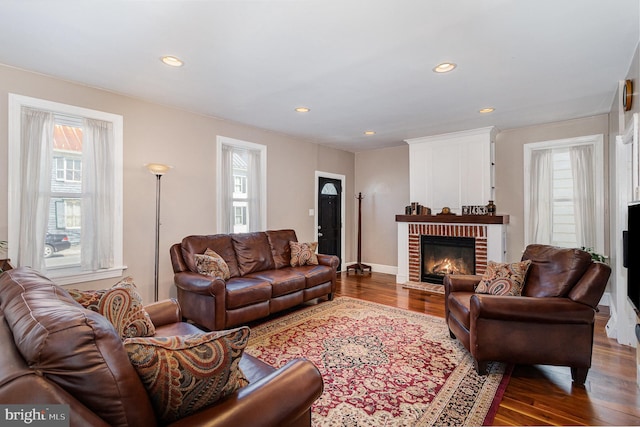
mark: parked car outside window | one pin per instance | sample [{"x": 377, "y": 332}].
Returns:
[{"x": 55, "y": 242}]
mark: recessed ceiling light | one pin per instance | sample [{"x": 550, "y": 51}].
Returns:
[
  {"x": 445, "y": 67},
  {"x": 303, "y": 109},
  {"x": 487, "y": 110},
  {"x": 172, "y": 61},
  {"x": 369, "y": 132}
]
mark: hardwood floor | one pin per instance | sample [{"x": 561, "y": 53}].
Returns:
[{"x": 536, "y": 395}]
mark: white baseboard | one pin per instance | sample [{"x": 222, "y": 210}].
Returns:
[{"x": 606, "y": 299}]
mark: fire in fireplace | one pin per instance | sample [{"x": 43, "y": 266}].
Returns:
[{"x": 442, "y": 255}]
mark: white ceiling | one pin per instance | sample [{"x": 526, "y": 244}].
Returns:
[{"x": 358, "y": 64}]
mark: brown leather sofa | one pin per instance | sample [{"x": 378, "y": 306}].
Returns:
[
  {"x": 262, "y": 280},
  {"x": 551, "y": 323},
  {"x": 55, "y": 352}
]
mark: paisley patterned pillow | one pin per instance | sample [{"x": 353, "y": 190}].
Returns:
[
  {"x": 121, "y": 305},
  {"x": 212, "y": 264},
  {"x": 183, "y": 374},
  {"x": 303, "y": 253},
  {"x": 503, "y": 279}
]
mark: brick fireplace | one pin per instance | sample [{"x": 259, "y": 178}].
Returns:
[
  {"x": 477, "y": 232},
  {"x": 489, "y": 233}
]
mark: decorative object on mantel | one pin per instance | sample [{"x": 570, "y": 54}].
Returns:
[
  {"x": 359, "y": 267},
  {"x": 475, "y": 210},
  {"x": 417, "y": 209},
  {"x": 491, "y": 208},
  {"x": 446, "y": 211}
]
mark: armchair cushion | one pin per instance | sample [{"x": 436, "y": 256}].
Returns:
[
  {"x": 183, "y": 374},
  {"x": 503, "y": 279},
  {"x": 212, "y": 264},
  {"x": 554, "y": 271},
  {"x": 121, "y": 305}
]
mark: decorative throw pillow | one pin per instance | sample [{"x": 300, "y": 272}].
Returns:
[
  {"x": 503, "y": 279},
  {"x": 121, "y": 305},
  {"x": 183, "y": 374},
  {"x": 212, "y": 264},
  {"x": 303, "y": 253}
]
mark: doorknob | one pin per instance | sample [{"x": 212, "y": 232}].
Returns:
[{"x": 319, "y": 234}]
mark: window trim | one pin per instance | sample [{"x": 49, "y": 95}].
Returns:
[
  {"x": 597, "y": 141},
  {"x": 224, "y": 140},
  {"x": 66, "y": 275}
]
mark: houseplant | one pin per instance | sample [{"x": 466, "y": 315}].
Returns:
[
  {"x": 4, "y": 263},
  {"x": 595, "y": 255}
]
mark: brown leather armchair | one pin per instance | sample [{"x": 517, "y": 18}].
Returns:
[{"x": 551, "y": 323}]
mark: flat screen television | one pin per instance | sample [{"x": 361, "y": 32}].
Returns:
[{"x": 632, "y": 254}]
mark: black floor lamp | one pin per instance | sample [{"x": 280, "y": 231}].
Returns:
[{"x": 158, "y": 170}]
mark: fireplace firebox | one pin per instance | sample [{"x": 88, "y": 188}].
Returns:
[{"x": 441, "y": 255}]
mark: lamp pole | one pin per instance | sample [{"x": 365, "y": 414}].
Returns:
[
  {"x": 158, "y": 170},
  {"x": 157, "y": 260}
]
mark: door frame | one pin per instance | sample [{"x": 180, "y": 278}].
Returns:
[{"x": 342, "y": 179}]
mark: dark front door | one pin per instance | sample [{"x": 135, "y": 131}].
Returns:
[{"x": 329, "y": 217}]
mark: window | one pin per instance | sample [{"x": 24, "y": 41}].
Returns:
[
  {"x": 67, "y": 169},
  {"x": 564, "y": 201},
  {"x": 65, "y": 205},
  {"x": 241, "y": 174}
]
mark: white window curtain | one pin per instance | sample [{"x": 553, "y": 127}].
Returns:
[
  {"x": 36, "y": 156},
  {"x": 541, "y": 197},
  {"x": 226, "y": 189},
  {"x": 253, "y": 189},
  {"x": 98, "y": 203},
  {"x": 582, "y": 169}
]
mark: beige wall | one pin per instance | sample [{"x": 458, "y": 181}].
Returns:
[
  {"x": 510, "y": 176},
  {"x": 187, "y": 141},
  {"x": 383, "y": 178}
]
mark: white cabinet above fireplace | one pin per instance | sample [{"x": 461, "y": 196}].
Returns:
[{"x": 453, "y": 169}]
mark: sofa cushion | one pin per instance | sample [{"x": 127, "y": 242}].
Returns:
[
  {"x": 303, "y": 254},
  {"x": 253, "y": 252},
  {"x": 554, "y": 271},
  {"x": 503, "y": 278},
  {"x": 77, "y": 349},
  {"x": 220, "y": 243},
  {"x": 280, "y": 248},
  {"x": 315, "y": 274},
  {"x": 283, "y": 281},
  {"x": 212, "y": 264},
  {"x": 121, "y": 305},
  {"x": 183, "y": 374},
  {"x": 244, "y": 291}
]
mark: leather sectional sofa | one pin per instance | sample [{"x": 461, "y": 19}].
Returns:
[
  {"x": 262, "y": 280},
  {"x": 56, "y": 352}
]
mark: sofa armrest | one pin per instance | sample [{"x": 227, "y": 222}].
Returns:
[
  {"x": 461, "y": 282},
  {"x": 279, "y": 399},
  {"x": 164, "y": 312},
  {"x": 199, "y": 283},
  {"x": 548, "y": 310},
  {"x": 329, "y": 260}
]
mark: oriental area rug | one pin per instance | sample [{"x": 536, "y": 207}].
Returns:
[{"x": 382, "y": 366}]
